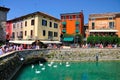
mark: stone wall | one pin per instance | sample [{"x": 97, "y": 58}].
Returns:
[
  {"x": 11, "y": 63},
  {"x": 84, "y": 54},
  {"x": 9, "y": 66}
]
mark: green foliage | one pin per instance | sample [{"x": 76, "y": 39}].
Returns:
[
  {"x": 103, "y": 39},
  {"x": 80, "y": 38}
]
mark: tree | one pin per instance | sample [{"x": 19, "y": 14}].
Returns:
[{"x": 79, "y": 38}]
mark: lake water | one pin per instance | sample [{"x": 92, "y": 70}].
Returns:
[{"x": 71, "y": 71}]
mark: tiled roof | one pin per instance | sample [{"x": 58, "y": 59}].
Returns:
[
  {"x": 104, "y": 14},
  {"x": 74, "y": 13},
  {"x": 32, "y": 14}
]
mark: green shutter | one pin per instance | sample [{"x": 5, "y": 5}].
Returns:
[
  {"x": 63, "y": 23},
  {"x": 77, "y": 31},
  {"x": 77, "y": 22},
  {"x": 63, "y": 30}
]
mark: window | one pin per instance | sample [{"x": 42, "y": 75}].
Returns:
[
  {"x": 92, "y": 19},
  {"x": 50, "y": 24},
  {"x": 14, "y": 25},
  {"x": 50, "y": 35},
  {"x": 25, "y": 33},
  {"x": 93, "y": 25},
  {"x": 55, "y": 34},
  {"x": 70, "y": 17},
  {"x": 44, "y": 32},
  {"x": 44, "y": 22},
  {"x": 111, "y": 24},
  {"x": 110, "y": 18},
  {"x": 25, "y": 23},
  {"x": 13, "y": 34},
  {"x": 55, "y": 25},
  {"x": 21, "y": 34},
  {"x": 17, "y": 34},
  {"x": 77, "y": 16},
  {"x": 31, "y": 33},
  {"x": 32, "y": 22},
  {"x": 17, "y": 25},
  {"x": 64, "y": 17},
  {"x": 77, "y": 25},
  {"x": 21, "y": 25},
  {"x": 64, "y": 25}
]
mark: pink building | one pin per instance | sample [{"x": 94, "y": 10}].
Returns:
[{"x": 8, "y": 30}]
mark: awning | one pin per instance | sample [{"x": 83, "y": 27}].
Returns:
[
  {"x": 52, "y": 42},
  {"x": 30, "y": 42},
  {"x": 68, "y": 39},
  {"x": 21, "y": 42},
  {"x": 103, "y": 30}
]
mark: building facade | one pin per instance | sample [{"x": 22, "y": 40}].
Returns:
[
  {"x": 34, "y": 26},
  {"x": 72, "y": 24},
  {"x": 104, "y": 24},
  {"x": 3, "y": 18}
]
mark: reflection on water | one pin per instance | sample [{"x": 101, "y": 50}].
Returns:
[{"x": 70, "y": 71}]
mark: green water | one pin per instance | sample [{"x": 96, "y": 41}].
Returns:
[{"x": 76, "y": 71}]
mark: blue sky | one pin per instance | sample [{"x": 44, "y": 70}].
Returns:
[{"x": 56, "y": 7}]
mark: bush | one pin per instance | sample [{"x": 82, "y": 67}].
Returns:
[{"x": 105, "y": 40}]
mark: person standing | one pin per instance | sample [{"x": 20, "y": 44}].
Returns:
[{"x": 1, "y": 51}]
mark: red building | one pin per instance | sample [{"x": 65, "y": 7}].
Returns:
[
  {"x": 8, "y": 30},
  {"x": 72, "y": 24}
]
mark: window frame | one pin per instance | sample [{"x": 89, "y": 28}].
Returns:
[
  {"x": 55, "y": 25},
  {"x": 44, "y": 22},
  {"x": 33, "y": 22}
]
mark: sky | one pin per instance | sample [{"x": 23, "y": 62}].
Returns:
[{"x": 56, "y": 7}]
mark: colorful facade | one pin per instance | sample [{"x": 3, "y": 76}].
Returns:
[
  {"x": 33, "y": 26},
  {"x": 72, "y": 23},
  {"x": 104, "y": 24}
]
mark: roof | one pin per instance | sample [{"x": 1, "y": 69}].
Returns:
[
  {"x": 74, "y": 13},
  {"x": 32, "y": 14},
  {"x": 4, "y": 8},
  {"x": 86, "y": 24},
  {"x": 104, "y": 14}
]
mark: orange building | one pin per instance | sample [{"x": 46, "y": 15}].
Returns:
[
  {"x": 104, "y": 24},
  {"x": 72, "y": 23}
]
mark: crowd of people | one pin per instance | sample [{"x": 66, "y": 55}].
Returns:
[
  {"x": 38, "y": 44},
  {"x": 18, "y": 47}
]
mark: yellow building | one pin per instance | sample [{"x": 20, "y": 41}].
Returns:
[
  {"x": 104, "y": 24},
  {"x": 34, "y": 26}
]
